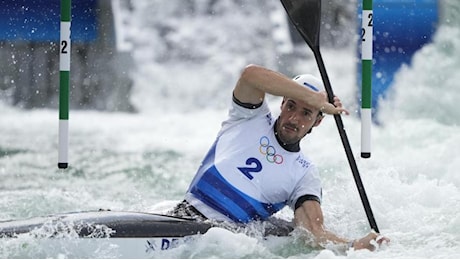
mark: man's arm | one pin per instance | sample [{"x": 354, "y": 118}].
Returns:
[
  {"x": 255, "y": 81},
  {"x": 310, "y": 217}
]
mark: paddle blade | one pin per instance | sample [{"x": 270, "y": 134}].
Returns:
[{"x": 306, "y": 17}]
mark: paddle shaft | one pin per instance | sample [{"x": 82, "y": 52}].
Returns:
[
  {"x": 306, "y": 17},
  {"x": 346, "y": 144}
]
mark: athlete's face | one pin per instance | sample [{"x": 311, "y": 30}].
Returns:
[{"x": 296, "y": 120}]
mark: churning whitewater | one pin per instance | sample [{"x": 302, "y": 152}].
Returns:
[{"x": 145, "y": 161}]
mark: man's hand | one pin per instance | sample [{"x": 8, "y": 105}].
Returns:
[
  {"x": 332, "y": 109},
  {"x": 371, "y": 242}
]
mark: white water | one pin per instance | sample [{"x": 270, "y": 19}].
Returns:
[{"x": 145, "y": 161}]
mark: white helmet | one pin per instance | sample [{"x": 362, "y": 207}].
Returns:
[{"x": 310, "y": 81}]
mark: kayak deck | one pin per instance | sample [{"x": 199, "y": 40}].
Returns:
[
  {"x": 118, "y": 224},
  {"x": 115, "y": 223}
]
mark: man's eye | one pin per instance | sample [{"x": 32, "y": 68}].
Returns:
[{"x": 307, "y": 115}]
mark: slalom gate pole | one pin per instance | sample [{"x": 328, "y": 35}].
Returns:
[
  {"x": 366, "y": 78},
  {"x": 64, "y": 84}
]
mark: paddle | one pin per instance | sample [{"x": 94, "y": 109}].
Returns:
[{"x": 306, "y": 17}]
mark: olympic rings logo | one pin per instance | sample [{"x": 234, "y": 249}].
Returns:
[{"x": 269, "y": 151}]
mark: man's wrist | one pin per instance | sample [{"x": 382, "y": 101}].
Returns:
[{"x": 351, "y": 244}]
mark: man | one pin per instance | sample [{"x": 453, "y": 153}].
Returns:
[{"x": 255, "y": 167}]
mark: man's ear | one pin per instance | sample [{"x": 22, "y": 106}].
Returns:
[
  {"x": 282, "y": 103},
  {"x": 318, "y": 120}
]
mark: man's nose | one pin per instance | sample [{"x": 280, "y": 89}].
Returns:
[{"x": 293, "y": 117}]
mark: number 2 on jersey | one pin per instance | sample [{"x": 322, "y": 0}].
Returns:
[{"x": 255, "y": 166}]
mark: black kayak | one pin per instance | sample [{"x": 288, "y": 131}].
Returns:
[
  {"x": 116, "y": 223},
  {"x": 129, "y": 234},
  {"x": 120, "y": 224}
]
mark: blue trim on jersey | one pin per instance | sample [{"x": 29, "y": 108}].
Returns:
[
  {"x": 209, "y": 158},
  {"x": 216, "y": 192},
  {"x": 205, "y": 164}
]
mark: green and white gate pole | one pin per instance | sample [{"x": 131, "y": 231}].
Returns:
[
  {"x": 366, "y": 83},
  {"x": 64, "y": 84}
]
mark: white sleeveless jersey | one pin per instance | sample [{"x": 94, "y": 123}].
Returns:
[{"x": 246, "y": 174}]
